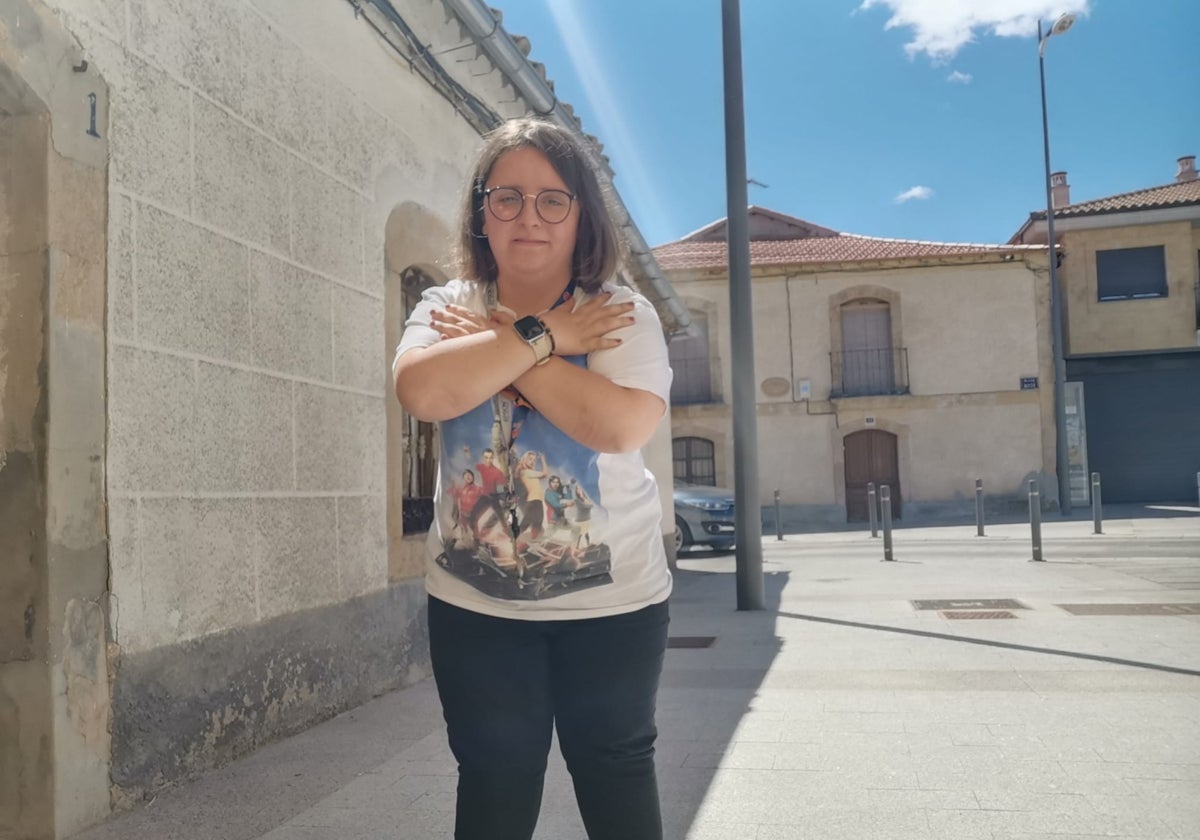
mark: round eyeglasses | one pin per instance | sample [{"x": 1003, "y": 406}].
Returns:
[{"x": 506, "y": 203}]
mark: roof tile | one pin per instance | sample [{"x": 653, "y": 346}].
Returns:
[
  {"x": 844, "y": 247},
  {"x": 1152, "y": 198}
]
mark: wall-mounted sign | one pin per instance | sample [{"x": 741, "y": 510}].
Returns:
[
  {"x": 1029, "y": 383},
  {"x": 869, "y": 420},
  {"x": 776, "y": 386}
]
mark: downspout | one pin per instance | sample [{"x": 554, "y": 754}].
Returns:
[{"x": 501, "y": 51}]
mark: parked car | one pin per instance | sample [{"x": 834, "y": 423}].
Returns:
[{"x": 703, "y": 516}]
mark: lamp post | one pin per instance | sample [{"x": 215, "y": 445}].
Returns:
[{"x": 1061, "y": 25}]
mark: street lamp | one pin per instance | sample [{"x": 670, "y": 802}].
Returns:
[{"x": 1061, "y": 25}]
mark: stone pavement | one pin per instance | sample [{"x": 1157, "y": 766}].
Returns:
[{"x": 842, "y": 712}]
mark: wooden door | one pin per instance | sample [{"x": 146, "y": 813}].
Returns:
[{"x": 871, "y": 456}]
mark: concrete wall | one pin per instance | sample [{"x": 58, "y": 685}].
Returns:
[
  {"x": 54, "y": 687},
  {"x": 972, "y": 330},
  {"x": 257, "y": 155},
  {"x": 1131, "y": 325}
]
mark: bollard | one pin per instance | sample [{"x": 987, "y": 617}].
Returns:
[
  {"x": 871, "y": 507},
  {"x": 1096, "y": 512},
  {"x": 1035, "y": 518},
  {"x": 979, "y": 507},
  {"x": 778, "y": 521},
  {"x": 885, "y": 501}
]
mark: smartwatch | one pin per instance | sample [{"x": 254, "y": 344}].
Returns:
[{"x": 534, "y": 333}]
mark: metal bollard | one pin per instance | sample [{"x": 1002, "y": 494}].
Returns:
[
  {"x": 871, "y": 508},
  {"x": 979, "y": 507},
  {"x": 1035, "y": 518},
  {"x": 885, "y": 501},
  {"x": 1097, "y": 514},
  {"x": 778, "y": 521}
]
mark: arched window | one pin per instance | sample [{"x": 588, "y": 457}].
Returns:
[
  {"x": 694, "y": 459},
  {"x": 691, "y": 364}
]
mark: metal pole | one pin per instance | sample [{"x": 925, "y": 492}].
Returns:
[
  {"x": 1056, "y": 311},
  {"x": 778, "y": 519},
  {"x": 979, "y": 507},
  {"x": 747, "y": 513},
  {"x": 885, "y": 498},
  {"x": 1097, "y": 512},
  {"x": 1035, "y": 518},
  {"x": 871, "y": 508}
]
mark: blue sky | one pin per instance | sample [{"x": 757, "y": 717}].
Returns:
[{"x": 850, "y": 105}]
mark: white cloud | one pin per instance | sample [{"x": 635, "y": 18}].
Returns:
[
  {"x": 914, "y": 193},
  {"x": 942, "y": 27},
  {"x": 964, "y": 78}
]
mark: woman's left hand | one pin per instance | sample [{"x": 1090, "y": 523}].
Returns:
[{"x": 456, "y": 321}]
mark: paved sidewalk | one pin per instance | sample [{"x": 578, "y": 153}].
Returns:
[{"x": 841, "y": 712}]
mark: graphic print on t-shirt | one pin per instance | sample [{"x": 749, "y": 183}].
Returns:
[{"x": 553, "y": 497}]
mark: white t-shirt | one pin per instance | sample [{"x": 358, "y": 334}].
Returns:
[{"x": 588, "y": 524}]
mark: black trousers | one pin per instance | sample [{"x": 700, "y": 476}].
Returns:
[{"x": 504, "y": 683}]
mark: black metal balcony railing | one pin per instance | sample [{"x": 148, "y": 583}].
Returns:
[{"x": 862, "y": 373}]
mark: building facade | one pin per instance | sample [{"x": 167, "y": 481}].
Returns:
[
  {"x": 1130, "y": 275},
  {"x": 923, "y": 366},
  {"x": 213, "y": 219}
]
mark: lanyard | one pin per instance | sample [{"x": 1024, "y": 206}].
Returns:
[{"x": 508, "y": 416}]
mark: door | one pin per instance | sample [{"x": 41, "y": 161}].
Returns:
[
  {"x": 871, "y": 456},
  {"x": 867, "y": 365},
  {"x": 1142, "y": 417}
]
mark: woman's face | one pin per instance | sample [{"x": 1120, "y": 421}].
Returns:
[{"x": 528, "y": 248}]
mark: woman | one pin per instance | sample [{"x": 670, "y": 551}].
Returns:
[{"x": 535, "y": 339}]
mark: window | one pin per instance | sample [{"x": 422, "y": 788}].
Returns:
[
  {"x": 1131, "y": 273},
  {"x": 420, "y": 443},
  {"x": 694, "y": 461},
  {"x": 692, "y": 382},
  {"x": 867, "y": 363}
]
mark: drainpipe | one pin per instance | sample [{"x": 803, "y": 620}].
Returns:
[{"x": 501, "y": 51}]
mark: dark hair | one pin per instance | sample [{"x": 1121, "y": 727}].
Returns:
[{"x": 597, "y": 245}]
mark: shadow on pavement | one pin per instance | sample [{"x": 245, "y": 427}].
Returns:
[
  {"x": 700, "y": 706},
  {"x": 950, "y": 637}
]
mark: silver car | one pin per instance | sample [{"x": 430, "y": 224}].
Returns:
[{"x": 703, "y": 516}]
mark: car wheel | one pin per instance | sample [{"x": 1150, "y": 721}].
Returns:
[{"x": 683, "y": 536}]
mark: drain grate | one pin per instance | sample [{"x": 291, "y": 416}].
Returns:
[
  {"x": 970, "y": 604},
  {"x": 1131, "y": 609},
  {"x": 690, "y": 641},
  {"x": 964, "y": 614}
]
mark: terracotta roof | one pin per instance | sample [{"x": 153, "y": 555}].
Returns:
[
  {"x": 811, "y": 244},
  {"x": 1152, "y": 198}
]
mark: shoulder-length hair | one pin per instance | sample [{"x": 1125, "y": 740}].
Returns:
[{"x": 597, "y": 245}]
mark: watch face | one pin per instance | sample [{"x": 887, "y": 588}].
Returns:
[{"x": 529, "y": 328}]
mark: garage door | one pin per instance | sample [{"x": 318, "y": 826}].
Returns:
[{"x": 1143, "y": 424}]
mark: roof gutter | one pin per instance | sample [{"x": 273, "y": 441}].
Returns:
[{"x": 504, "y": 53}]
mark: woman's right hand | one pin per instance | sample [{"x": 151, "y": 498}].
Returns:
[
  {"x": 587, "y": 327},
  {"x": 456, "y": 321}
]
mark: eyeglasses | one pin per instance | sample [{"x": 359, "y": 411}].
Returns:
[{"x": 506, "y": 203}]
